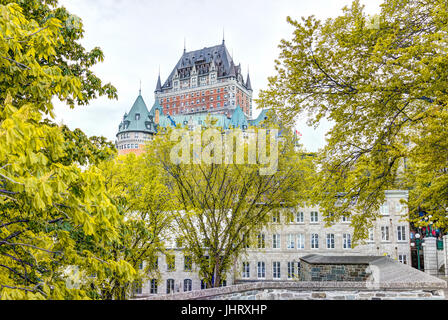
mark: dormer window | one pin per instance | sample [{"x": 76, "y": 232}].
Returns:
[{"x": 137, "y": 116}]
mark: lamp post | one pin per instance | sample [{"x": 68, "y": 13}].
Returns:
[
  {"x": 417, "y": 243},
  {"x": 429, "y": 225}
]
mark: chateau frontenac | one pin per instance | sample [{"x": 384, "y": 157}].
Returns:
[
  {"x": 203, "y": 82},
  {"x": 207, "y": 82}
]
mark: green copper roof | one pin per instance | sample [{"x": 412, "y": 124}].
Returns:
[
  {"x": 261, "y": 117},
  {"x": 195, "y": 119},
  {"x": 155, "y": 106},
  {"x": 238, "y": 119},
  {"x": 138, "y": 119}
]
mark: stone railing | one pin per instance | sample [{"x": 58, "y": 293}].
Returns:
[{"x": 311, "y": 290}]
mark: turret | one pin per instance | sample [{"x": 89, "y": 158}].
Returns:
[
  {"x": 248, "y": 84},
  {"x": 159, "y": 85}
]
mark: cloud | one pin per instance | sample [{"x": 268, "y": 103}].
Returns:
[{"x": 139, "y": 36}]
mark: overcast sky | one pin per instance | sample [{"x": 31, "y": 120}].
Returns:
[{"x": 139, "y": 36}]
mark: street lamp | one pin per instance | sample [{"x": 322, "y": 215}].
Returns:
[
  {"x": 426, "y": 220},
  {"x": 429, "y": 226},
  {"x": 417, "y": 243}
]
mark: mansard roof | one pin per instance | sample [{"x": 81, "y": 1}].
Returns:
[{"x": 218, "y": 55}]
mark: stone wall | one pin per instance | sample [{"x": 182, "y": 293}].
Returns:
[
  {"x": 305, "y": 290},
  {"x": 278, "y": 294},
  {"x": 430, "y": 255},
  {"x": 326, "y": 272}
]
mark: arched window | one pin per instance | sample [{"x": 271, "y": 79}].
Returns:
[{"x": 188, "y": 285}]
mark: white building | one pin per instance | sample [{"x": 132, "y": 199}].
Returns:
[{"x": 278, "y": 249}]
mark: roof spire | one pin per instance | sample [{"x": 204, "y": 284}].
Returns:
[
  {"x": 140, "y": 90},
  {"x": 185, "y": 47},
  {"x": 159, "y": 84},
  {"x": 248, "y": 84},
  {"x": 223, "y": 36}
]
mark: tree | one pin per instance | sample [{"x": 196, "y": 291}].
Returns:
[
  {"x": 40, "y": 41},
  {"x": 44, "y": 205},
  {"x": 84, "y": 150},
  {"x": 47, "y": 202},
  {"x": 383, "y": 85},
  {"x": 144, "y": 202},
  {"x": 222, "y": 202}
]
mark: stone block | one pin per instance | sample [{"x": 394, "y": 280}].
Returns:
[{"x": 318, "y": 295}]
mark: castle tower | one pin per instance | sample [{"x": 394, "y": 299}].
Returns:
[{"x": 137, "y": 127}]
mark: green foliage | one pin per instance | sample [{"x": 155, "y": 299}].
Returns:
[
  {"x": 84, "y": 150},
  {"x": 53, "y": 214},
  {"x": 39, "y": 198},
  {"x": 40, "y": 56},
  {"x": 136, "y": 190},
  {"x": 219, "y": 206},
  {"x": 383, "y": 85}
]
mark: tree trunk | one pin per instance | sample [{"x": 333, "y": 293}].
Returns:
[{"x": 217, "y": 274}]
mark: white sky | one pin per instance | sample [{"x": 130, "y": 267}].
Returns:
[{"x": 139, "y": 36}]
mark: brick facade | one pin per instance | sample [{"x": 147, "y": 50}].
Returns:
[{"x": 205, "y": 80}]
